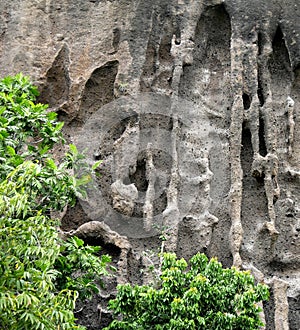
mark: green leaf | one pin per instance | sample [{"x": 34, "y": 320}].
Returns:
[
  {"x": 51, "y": 115},
  {"x": 11, "y": 151},
  {"x": 73, "y": 149},
  {"x": 50, "y": 162},
  {"x": 97, "y": 164}
]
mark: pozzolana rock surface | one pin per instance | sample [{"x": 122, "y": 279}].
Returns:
[{"x": 194, "y": 108}]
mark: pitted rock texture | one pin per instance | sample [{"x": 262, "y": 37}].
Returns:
[{"x": 242, "y": 60}]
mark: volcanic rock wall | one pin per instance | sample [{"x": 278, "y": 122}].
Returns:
[{"x": 194, "y": 108}]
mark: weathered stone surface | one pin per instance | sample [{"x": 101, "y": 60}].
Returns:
[{"x": 238, "y": 62}]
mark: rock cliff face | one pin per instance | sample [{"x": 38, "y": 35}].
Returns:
[{"x": 194, "y": 108}]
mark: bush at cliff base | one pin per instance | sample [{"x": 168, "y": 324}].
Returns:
[{"x": 201, "y": 295}]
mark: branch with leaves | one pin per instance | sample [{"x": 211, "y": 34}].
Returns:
[
  {"x": 39, "y": 281},
  {"x": 198, "y": 295}
]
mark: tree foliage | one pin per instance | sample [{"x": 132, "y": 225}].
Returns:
[
  {"x": 28, "y": 133},
  {"x": 201, "y": 295},
  {"x": 33, "y": 260},
  {"x": 77, "y": 256},
  {"x": 28, "y": 297}
]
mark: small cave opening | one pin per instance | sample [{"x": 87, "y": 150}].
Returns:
[
  {"x": 260, "y": 87},
  {"x": 260, "y": 42},
  {"x": 247, "y": 99},
  {"x": 57, "y": 85},
  {"x": 139, "y": 179},
  {"x": 280, "y": 52},
  {"x": 279, "y": 64},
  {"x": 246, "y": 150},
  {"x": 98, "y": 90},
  {"x": 260, "y": 91},
  {"x": 62, "y": 115},
  {"x": 106, "y": 248},
  {"x": 262, "y": 141},
  {"x": 161, "y": 162},
  {"x": 139, "y": 176}
]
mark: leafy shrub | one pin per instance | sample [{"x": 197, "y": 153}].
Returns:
[
  {"x": 82, "y": 259},
  {"x": 28, "y": 297},
  {"x": 33, "y": 260},
  {"x": 202, "y": 295},
  {"x": 28, "y": 132}
]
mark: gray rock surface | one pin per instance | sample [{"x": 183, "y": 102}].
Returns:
[{"x": 213, "y": 154}]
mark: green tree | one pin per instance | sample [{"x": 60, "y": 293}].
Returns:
[
  {"x": 201, "y": 295},
  {"x": 33, "y": 260},
  {"x": 29, "y": 248},
  {"x": 29, "y": 132},
  {"x": 74, "y": 256}
]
